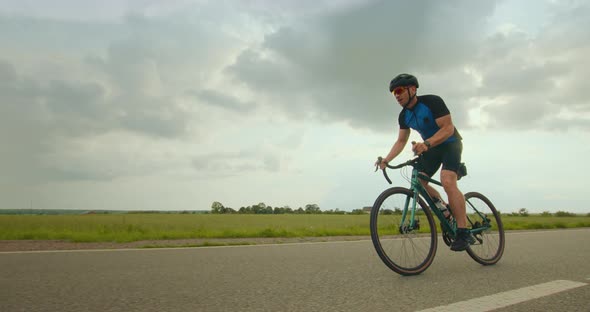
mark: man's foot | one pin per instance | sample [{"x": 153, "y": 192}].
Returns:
[
  {"x": 459, "y": 244},
  {"x": 464, "y": 239}
]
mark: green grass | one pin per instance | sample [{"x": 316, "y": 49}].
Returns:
[
  {"x": 135, "y": 227},
  {"x": 543, "y": 222}
]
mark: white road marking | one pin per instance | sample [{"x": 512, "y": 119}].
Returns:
[{"x": 504, "y": 299}]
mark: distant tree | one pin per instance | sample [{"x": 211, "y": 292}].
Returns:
[
  {"x": 260, "y": 208},
  {"x": 299, "y": 210},
  {"x": 523, "y": 212},
  {"x": 564, "y": 214},
  {"x": 217, "y": 207},
  {"x": 312, "y": 209},
  {"x": 546, "y": 214},
  {"x": 357, "y": 212}
]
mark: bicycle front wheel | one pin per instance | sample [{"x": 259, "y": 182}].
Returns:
[
  {"x": 406, "y": 247},
  {"x": 488, "y": 229}
]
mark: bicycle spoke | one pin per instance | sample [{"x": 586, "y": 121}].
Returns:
[
  {"x": 481, "y": 214},
  {"x": 408, "y": 247}
]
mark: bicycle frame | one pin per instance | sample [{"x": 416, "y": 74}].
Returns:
[{"x": 419, "y": 190}]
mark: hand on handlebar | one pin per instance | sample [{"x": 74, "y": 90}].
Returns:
[
  {"x": 419, "y": 148},
  {"x": 380, "y": 163}
]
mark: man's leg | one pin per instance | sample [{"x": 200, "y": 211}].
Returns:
[
  {"x": 431, "y": 190},
  {"x": 431, "y": 161},
  {"x": 456, "y": 198}
]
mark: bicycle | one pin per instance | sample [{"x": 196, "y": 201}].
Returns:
[{"x": 407, "y": 244}]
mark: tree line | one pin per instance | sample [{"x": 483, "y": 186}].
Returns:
[{"x": 262, "y": 208}]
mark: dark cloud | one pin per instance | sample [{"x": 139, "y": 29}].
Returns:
[
  {"x": 529, "y": 79},
  {"x": 520, "y": 115},
  {"x": 561, "y": 124},
  {"x": 7, "y": 73},
  {"x": 338, "y": 66},
  {"x": 223, "y": 100},
  {"x": 73, "y": 109},
  {"x": 132, "y": 87},
  {"x": 155, "y": 118},
  {"x": 236, "y": 163},
  {"x": 94, "y": 78},
  {"x": 541, "y": 74}
]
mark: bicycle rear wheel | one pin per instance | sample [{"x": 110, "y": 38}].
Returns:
[
  {"x": 490, "y": 242},
  {"x": 405, "y": 249}
]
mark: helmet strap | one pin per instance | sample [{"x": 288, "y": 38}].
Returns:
[{"x": 410, "y": 98}]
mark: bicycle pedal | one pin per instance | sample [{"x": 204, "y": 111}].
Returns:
[{"x": 479, "y": 238}]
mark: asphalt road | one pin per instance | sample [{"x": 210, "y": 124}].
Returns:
[{"x": 331, "y": 276}]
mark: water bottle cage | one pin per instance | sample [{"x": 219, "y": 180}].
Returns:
[{"x": 447, "y": 213}]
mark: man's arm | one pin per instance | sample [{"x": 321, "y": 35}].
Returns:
[
  {"x": 398, "y": 146},
  {"x": 445, "y": 123}
]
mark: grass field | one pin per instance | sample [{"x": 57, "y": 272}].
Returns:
[{"x": 135, "y": 227}]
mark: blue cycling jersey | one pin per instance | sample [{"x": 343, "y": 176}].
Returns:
[{"x": 422, "y": 117}]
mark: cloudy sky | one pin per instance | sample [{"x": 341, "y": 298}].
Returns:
[{"x": 171, "y": 105}]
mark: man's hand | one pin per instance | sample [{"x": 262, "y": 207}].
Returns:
[
  {"x": 419, "y": 148},
  {"x": 381, "y": 163}
]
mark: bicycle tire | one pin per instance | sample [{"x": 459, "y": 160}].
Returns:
[
  {"x": 394, "y": 260},
  {"x": 490, "y": 244}
]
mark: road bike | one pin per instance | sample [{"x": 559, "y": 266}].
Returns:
[{"x": 404, "y": 232}]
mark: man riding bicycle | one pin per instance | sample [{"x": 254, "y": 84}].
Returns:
[{"x": 441, "y": 144}]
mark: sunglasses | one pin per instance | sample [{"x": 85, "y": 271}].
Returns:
[{"x": 399, "y": 90}]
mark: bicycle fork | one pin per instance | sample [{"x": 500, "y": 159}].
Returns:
[{"x": 414, "y": 224}]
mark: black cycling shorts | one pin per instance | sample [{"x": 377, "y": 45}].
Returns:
[{"x": 447, "y": 154}]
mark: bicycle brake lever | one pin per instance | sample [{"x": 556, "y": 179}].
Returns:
[
  {"x": 379, "y": 161},
  {"x": 415, "y": 153}
]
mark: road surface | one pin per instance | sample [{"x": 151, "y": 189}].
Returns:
[{"x": 543, "y": 270}]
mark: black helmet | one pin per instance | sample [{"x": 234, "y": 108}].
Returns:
[{"x": 403, "y": 80}]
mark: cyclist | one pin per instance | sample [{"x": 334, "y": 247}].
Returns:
[{"x": 441, "y": 144}]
